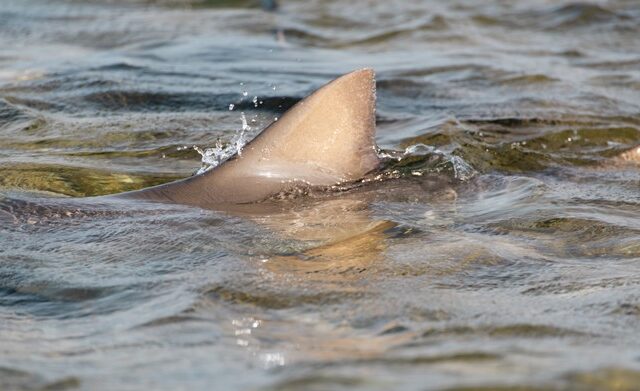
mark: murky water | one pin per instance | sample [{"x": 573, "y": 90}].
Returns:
[{"x": 501, "y": 251}]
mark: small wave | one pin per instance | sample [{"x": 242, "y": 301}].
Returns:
[
  {"x": 579, "y": 14},
  {"x": 176, "y": 101},
  {"x": 125, "y": 100},
  {"x": 15, "y": 379},
  {"x": 10, "y": 114},
  {"x": 515, "y": 144},
  {"x": 73, "y": 180},
  {"x": 527, "y": 80},
  {"x": 315, "y": 33},
  {"x": 239, "y": 296},
  {"x": 572, "y": 15}
]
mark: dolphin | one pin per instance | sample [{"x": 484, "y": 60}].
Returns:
[{"x": 327, "y": 138}]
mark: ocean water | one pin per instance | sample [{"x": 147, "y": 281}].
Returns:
[{"x": 497, "y": 249}]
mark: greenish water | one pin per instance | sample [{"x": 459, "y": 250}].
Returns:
[{"x": 498, "y": 249}]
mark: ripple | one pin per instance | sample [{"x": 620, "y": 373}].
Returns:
[
  {"x": 74, "y": 181},
  {"x": 507, "y": 331},
  {"x": 559, "y": 18},
  {"x": 606, "y": 379},
  {"x": 14, "y": 379},
  {"x": 281, "y": 300}
]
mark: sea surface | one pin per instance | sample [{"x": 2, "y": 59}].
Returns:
[{"x": 497, "y": 249}]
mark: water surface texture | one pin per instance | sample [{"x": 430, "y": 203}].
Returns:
[{"x": 498, "y": 248}]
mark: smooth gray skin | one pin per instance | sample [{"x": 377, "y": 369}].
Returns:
[{"x": 325, "y": 139}]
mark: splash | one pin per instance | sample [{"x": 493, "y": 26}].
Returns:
[
  {"x": 461, "y": 169},
  {"x": 213, "y": 157}
]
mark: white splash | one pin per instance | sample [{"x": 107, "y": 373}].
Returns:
[
  {"x": 213, "y": 157},
  {"x": 461, "y": 169},
  {"x": 273, "y": 360}
]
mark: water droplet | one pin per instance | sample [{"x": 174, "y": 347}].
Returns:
[
  {"x": 245, "y": 126},
  {"x": 242, "y": 342},
  {"x": 273, "y": 360}
]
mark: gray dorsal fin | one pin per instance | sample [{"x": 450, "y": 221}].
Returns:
[{"x": 326, "y": 138}]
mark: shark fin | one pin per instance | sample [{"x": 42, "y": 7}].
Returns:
[{"x": 326, "y": 138}]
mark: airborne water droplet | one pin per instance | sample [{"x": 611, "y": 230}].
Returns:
[{"x": 245, "y": 125}]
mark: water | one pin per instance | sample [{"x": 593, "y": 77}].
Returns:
[{"x": 499, "y": 248}]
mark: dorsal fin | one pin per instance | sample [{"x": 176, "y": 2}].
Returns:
[
  {"x": 329, "y": 136},
  {"x": 326, "y": 138}
]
